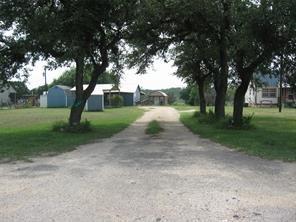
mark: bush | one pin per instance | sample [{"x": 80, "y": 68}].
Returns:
[
  {"x": 154, "y": 128},
  {"x": 117, "y": 101},
  {"x": 227, "y": 122},
  {"x": 246, "y": 124},
  {"x": 207, "y": 118},
  {"x": 62, "y": 126},
  {"x": 290, "y": 104}
]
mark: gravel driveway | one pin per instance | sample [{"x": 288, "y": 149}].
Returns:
[{"x": 176, "y": 176}]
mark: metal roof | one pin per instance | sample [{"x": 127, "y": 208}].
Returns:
[
  {"x": 158, "y": 93},
  {"x": 63, "y": 87},
  {"x": 66, "y": 89},
  {"x": 269, "y": 81},
  {"x": 101, "y": 88}
]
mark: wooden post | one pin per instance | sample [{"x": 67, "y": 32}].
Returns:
[
  {"x": 281, "y": 84},
  {"x": 45, "y": 80}
]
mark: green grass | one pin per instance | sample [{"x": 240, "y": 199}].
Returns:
[
  {"x": 274, "y": 136},
  {"x": 25, "y": 133},
  {"x": 184, "y": 107},
  {"x": 153, "y": 128}
]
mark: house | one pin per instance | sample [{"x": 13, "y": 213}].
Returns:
[
  {"x": 269, "y": 93},
  {"x": 157, "y": 98},
  {"x": 102, "y": 94},
  {"x": 7, "y": 95},
  {"x": 57, "y": 97}
]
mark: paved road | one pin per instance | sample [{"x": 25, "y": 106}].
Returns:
[{"x": 133, "y": 177}]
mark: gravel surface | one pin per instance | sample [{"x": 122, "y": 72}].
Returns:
[{"x": 175, "y": 176}]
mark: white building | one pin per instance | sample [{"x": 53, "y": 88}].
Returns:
[
  {"x": 269, "y": 93},
  {"x": 6, "y": 95}
]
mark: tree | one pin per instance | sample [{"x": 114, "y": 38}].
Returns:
[
  {"x": 190, "y": 95},
  {"x": 87, "y": 33},
  {"x": 167, "y": 22},
  {"x": 193, "y": 99},
  {"x": 171, "y": 98},
  {"x": 191, "y": 63},
  {"x": 20, "y": 88},
  {"x": 184, "y": 94},
  {"x": 13, "y": 58},
  {"x": 68, "y": 77},
  {"x": 259, "y": 32}
]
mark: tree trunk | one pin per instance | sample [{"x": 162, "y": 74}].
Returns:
[
  {"x": 83, "y": 94},
  {"x": 76, "y": 112},
  {"x": 79, "y": 103},
  {"x": 281, "y": 85},
  {"x": 222, "y": 77},
  {"x": 239, "y": 100},
  {"x": 202, "y": 99},
  {"x": 220, "y": 88},
  {"x": 220, "y": 81},
  {"x": 220, "y": 103}
]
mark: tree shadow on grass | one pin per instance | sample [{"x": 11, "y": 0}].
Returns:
[
  {"x": 25, "y": 143},
  {"x": 272, "y": 138}
]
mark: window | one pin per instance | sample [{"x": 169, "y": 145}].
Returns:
[
  {"x": 290, "y": 97},
  {"x": 269, "y": 93}
]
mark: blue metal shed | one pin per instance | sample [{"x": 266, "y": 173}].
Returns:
[
  {"x": 128, "y": 99},
  {"x": 95, "y": 103},
  {"x": 130, "y": 94},
  {"x": 59, "y": 96},
  {"x": 96, "y": 100}
]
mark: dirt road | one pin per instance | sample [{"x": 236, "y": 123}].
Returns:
[{"x": 176, "y": 176}]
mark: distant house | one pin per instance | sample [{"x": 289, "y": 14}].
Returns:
[
  {"x": 7, "y": 95},
  {"x": 102, "y": 94},
  {"x": 157, "y": 98},
  {"x": 57, "y": 97},
  {"x": 269, "y": 93}
]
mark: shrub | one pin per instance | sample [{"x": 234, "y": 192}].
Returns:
[
  {"x": 62, "y": 126},
  {"x": 27, "y": 105},
  {"x": 207, "y": 118},
  {"x": 153, "y": 128},
  {"x": 246, "y": 124},
  {"x": 117, "y": 101},
  {"x": 290, "y": 104},
  {"x": 227, "y": 122}
]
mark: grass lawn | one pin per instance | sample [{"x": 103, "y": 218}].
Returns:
[
  {"x": 25, "y": 133},
  {"x": 153, "y": 128},
  {"x": 184, "y": 107},
  {"x": 274, "y": 136}
]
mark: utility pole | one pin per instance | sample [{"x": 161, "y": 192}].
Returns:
[
  {"x": 44, "y": 74},
  {"x": 281, "y": 83}
]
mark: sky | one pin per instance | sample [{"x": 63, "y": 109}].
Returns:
[{"x": 160, "y": 76}]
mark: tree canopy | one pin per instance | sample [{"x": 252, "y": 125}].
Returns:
[
  {"x": 234, "y": 38},
  {"x": 63, "y": 32},
  {"x": 227, "y": 39}
]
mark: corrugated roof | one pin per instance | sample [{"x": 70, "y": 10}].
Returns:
[
  {"x": 100, "y": 88},
  {"x": 63, "y": 87},
  {"x": 269, "y": 81},
  {"x": 128, "y": 88},
  {"x": 66, "y": 89},
  {"x": 158, "y": 93}
]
